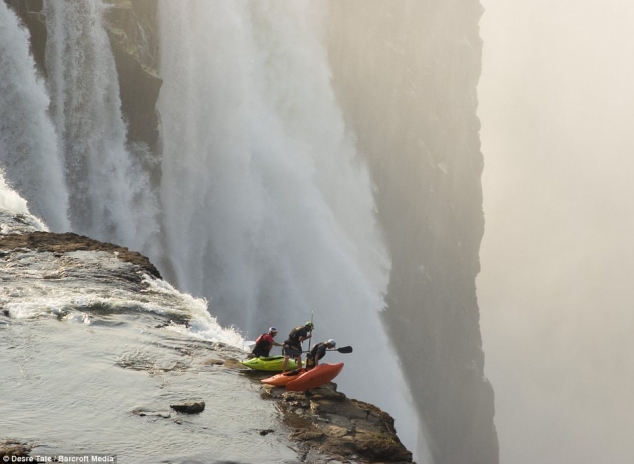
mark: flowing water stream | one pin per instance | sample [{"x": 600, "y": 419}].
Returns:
[{"x": 95, "y": 351}]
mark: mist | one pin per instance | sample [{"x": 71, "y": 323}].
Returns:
[{"x": 556, "y": 103}]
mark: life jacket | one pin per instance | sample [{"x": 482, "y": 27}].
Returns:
[
  {"x": 310, "y": 363},
  {"x": 261, "y": 341},
  {"x": 294, "y": 335},
  {"x": 318, "y": 351}
]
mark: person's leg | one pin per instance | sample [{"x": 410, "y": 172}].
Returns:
[{"x": 292, "y": 353}]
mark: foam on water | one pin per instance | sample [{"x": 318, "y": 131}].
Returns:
[
  {"x": 80, "y": 284},
  {"x": 14, "y": 213}
]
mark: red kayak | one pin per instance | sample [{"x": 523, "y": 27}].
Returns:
[
  {"x": 281, "y": 380},
  {"x": 315, "y": 377}
]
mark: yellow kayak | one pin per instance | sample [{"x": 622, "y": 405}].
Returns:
[{"x": 271, "y": 363}]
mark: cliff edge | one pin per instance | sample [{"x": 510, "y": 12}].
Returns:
[{"x": 322, "y": 426}]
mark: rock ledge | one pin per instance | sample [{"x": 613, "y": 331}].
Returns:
[
  {"x": 67, "y": 242},
  {"x": 329, "y": 426}
]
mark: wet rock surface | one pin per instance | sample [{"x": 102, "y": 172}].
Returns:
[
  {"x": 68, "y": 242},
  {"x": 329, "y": 426},
  {"x": 189, "y": 407},
  {"x": 13, "y": 449},
  {"x": 321, "y": 426}
]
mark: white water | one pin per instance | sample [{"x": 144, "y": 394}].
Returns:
[
  {"x": 110, "y": 195},
  {"x": 15, "y": 217},
  {"x": 86, "y": 345},
  {"x": 28, "y": 148},
  {"x": 268, "y": 207}
]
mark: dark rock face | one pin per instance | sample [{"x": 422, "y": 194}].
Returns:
[
  {"x": 63, "y": 243},
  {"x": 12, "y": 449},
  {"x": 406, "y": 74},
  {"x": 30, "y": 11},
  {"x": 189, "y": 407},
  {"x": 328, "y": 425},
  {"x": 133, "y": 31}
]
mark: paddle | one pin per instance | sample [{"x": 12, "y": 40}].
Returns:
[
  {"x": 311, "y": 330},
  {"x": 343, "y": 349}
]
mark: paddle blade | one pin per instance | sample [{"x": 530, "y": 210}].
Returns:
[{"x": 343, "y": 349}]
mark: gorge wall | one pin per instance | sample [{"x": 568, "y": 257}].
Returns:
[{"x": 405, "y": 74}]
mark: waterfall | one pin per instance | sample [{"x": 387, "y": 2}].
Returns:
[
  {"x": 29, "y": 154},
  {"x": 267, "y": 206},
  {"x": 258, "y": 170},
  {"x": 110, "y": 194}
]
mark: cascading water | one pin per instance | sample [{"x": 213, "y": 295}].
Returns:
[
  {"x": 268, "y": 209},
  {"x": 257, "y": 168},
  {"x": 28, "y": 143},
  {"x": 110, "y": 195}
]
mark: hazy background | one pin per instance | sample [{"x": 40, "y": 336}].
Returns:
[{"x": 556, "y": 291}]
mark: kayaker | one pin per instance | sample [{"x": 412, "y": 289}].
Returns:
[
  {"x": 265, "y": 343},
  {"x": 293, "y": 345},
  {"x": 317, "y": 352}
]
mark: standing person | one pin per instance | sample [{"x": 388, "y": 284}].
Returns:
[
  {"x": 317, "y": 352},
  {"x": 293, "y": 345},
  {"x": 265, "y": 343}
]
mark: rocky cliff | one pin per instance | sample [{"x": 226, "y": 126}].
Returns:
[
  {"x": 135, "y": 43},
  {"x": 406, "y": 75}
]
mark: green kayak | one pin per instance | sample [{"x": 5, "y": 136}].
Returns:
[{"x": 271, "y": 363}]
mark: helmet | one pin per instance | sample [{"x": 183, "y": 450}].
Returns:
[
  {"x": 332, "y": 343},
  {"x": 309, "y": 325},
  {"x": 272, "y": 330}
]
